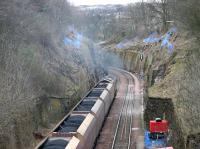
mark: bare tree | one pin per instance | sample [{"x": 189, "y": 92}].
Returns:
[
  {"x": 188, "y": 12},
  {"x": 161, "y": 9}
]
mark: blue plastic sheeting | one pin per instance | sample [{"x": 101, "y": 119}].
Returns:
[
  {"x": 75, "y": 41},
  {"x": 152, "y": 38},
  {"x": 122, "y": 44},
  {"x": 150, "y": 144},
  {"x": 165, "y": 39}
]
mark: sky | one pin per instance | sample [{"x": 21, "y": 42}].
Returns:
[{"x": 101, "y": 2}]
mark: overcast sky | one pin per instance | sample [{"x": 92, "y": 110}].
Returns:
[{"x": 97, "y": 2}]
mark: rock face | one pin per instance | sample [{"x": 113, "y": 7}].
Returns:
[
  {"x": 41, "y": 77},
  {"x": 177, "y": 83},
  {"x": 171, "y": 82},
  {"x": 38, "y": 87}
]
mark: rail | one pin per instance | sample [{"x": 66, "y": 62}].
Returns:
[{"x": 123, "y": 131}]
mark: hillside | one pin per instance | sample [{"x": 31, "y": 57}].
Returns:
[
  {"x": 52, "y": 52},
  {"x": 170, "y": 82},
  {"x": 43, "y": 65}
]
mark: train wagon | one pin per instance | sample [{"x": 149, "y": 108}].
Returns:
[{"x": 80, "y": 127}]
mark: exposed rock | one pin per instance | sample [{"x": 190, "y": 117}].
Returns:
[{"x": 170, "y": 76}]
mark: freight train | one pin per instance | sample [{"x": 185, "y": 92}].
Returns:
[{"x": 80, "y": 128}]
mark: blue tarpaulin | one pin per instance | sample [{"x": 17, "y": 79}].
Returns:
[
  {"x": 150, "y": 144},
  {"x": 75, "y": 41},
  {"x": 165, "y": 39},
  {"x": 152, "y": 38}
]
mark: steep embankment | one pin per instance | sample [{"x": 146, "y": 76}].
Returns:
[
  {"x": 38, "y": 86},
  {"x": 129, "y": 56},
  {"x": 180, "y": 85},
  {"x": 41, "y": 76},
  {"x": 172, "y": 77},
  {"x": 171, "y": 82}
]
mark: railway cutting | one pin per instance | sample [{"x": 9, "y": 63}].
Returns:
[
  {"x": 117, "y": 118},
  {"x": 123, "y": 128}
]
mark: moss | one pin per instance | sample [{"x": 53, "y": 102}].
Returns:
[
  {"x": 168, "y": 86},
  {"x": 55, "y": 104}
]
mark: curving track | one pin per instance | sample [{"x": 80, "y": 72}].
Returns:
[{"x": 123, "y": 126}]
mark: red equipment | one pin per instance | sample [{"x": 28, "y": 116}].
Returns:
[{"x": 159, "y": 126}]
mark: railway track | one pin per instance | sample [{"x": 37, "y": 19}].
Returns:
[
  {"x": 123, "y": 127},
  {"x": 123, "y": 132},
  {"x": 81, "y": 126}
]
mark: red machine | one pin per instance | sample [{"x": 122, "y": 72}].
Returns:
[
  {"x": 158, "y": 134},
  {"x": 159, "y": 126}
]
